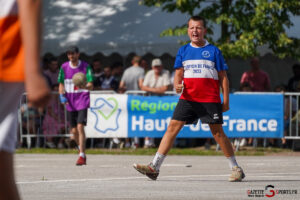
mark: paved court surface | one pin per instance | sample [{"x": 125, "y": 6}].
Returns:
[{"x": 55, "y": 177}]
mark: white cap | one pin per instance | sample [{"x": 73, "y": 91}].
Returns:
[{"x": 156, "y": 62}]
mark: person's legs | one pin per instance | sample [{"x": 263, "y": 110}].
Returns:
[
  {"x": 10, "y": 93},
  {"x": 8, "y": 188},
  {"x": 152, "y": 170},
  {"x": 81, "y": 122},
  {"x": 75, "y": 135},
  {"x": 81, "y": 133},
  {"x": 223, "y": 141},
  {"x": 169, "y": 136}
]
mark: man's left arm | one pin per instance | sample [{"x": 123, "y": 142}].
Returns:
[{"x": 224, "y": 83}]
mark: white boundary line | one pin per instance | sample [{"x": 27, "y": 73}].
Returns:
[{"x": 263, "y": 175}]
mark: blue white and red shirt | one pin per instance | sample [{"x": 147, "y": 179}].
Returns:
[
  {"x": 78, "y": 99},
  {"x": 201, "y": 66}
]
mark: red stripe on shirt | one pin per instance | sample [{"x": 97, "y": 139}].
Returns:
[{"x": 209, "y": 91}]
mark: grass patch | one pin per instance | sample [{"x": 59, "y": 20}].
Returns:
[{"x": 199, "y": 151}]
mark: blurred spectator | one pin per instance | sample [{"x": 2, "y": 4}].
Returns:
[
  {"x": 117, "y": 71},
  {"x": 54, "y": 121},
  {"x": 245, "y": 87},
  {"x": 289, "y": 104},
  {"x": 97, "y": 72},
  {"x": 144, "y": 64},
  {"x": 30, "y": 120},
  {"x": 133, "y": 77},
  {"x": 52, "y": 72},
  {"x": 257, "y": 78},
  {"x": 157, "y": 82},
  {"x": 295, "y": 80},
  {"x": 106, "y": 81}
]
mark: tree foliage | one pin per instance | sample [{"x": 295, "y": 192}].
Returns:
[{"x": 245, "y": 24}]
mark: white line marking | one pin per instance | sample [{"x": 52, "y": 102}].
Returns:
[{"x": 263, "y": 175}]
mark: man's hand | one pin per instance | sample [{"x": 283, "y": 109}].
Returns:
[
  {"x": 62, "y": 99},
  {"x": 225, "y": 107},
  {"x": 179, "y": 88}
]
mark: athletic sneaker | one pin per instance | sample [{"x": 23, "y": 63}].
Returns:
[
  {"x": 237, "y": 174},
  {"x": 81, "y": 161},
  {"x": 147, "y": 170}
]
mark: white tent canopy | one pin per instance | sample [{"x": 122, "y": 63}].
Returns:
[{"x": 108, "y": 26}]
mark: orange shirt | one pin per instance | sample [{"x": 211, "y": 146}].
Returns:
[{"x": 11, "y": 47}]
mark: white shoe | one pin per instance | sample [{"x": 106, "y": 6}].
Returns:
[
  {"x": 243, "y": 142},
  {"x": 60, "y": 146},
  {"x": 51, "y": 145}
]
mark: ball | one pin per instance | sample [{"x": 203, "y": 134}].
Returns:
[{"x": 79, "y": 79}]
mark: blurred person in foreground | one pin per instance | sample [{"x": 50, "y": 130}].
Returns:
[
  {"x": 156, "y": 82},
  {"x": 200, "y": 72},
  {"x": 77, "y": 99},
  {"x": 20, "y": 48}
]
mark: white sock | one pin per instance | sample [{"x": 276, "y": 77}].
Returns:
[
  {"x": 81, "y": 154},
  {"x": 78, "y": 147},
  {"x": 232, "y": 162},
  {"x": 158, "y": 160}
]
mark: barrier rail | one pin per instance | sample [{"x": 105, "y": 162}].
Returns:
[
  {"x": 42, "y": 124},
  {"x": 292, "y": 115},
  {"x": 34, "y": 124}
]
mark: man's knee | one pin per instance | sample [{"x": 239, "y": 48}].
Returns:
[
  {"x": 175, "y": 126},
  {"x": 80, "y": 128}
]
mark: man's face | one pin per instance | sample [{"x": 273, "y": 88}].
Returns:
[
  {"x": 144, "y": 64},
  {"x": 107, "y": 71},
  {"x": 53, "y": 66},
  {"x": 255, "y": 63},
  {"x": 73, "y": 56},
  {"x": 157, "y": 69},
  {"x": 196, "y": 31},
  {"x": 97, "y": 66}
]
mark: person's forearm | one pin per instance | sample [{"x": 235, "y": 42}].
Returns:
[
  {"x": 146, "y": 88},
  {"x": 178, "y": 77},
  {"x": 61, "y": 88},
  {"x": 30, "y": 16},
  {"x": 225, "y": 89},
  {"x": 90, "y": 86},
  {"x": 159, "y": 90}
]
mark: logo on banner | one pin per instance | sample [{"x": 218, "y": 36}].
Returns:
[{"x": 107, "y": 114}]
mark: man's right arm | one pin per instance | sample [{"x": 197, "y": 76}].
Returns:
[
  {"x": 178, "y": 78},
  {"x": 38, "y": 91}
]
